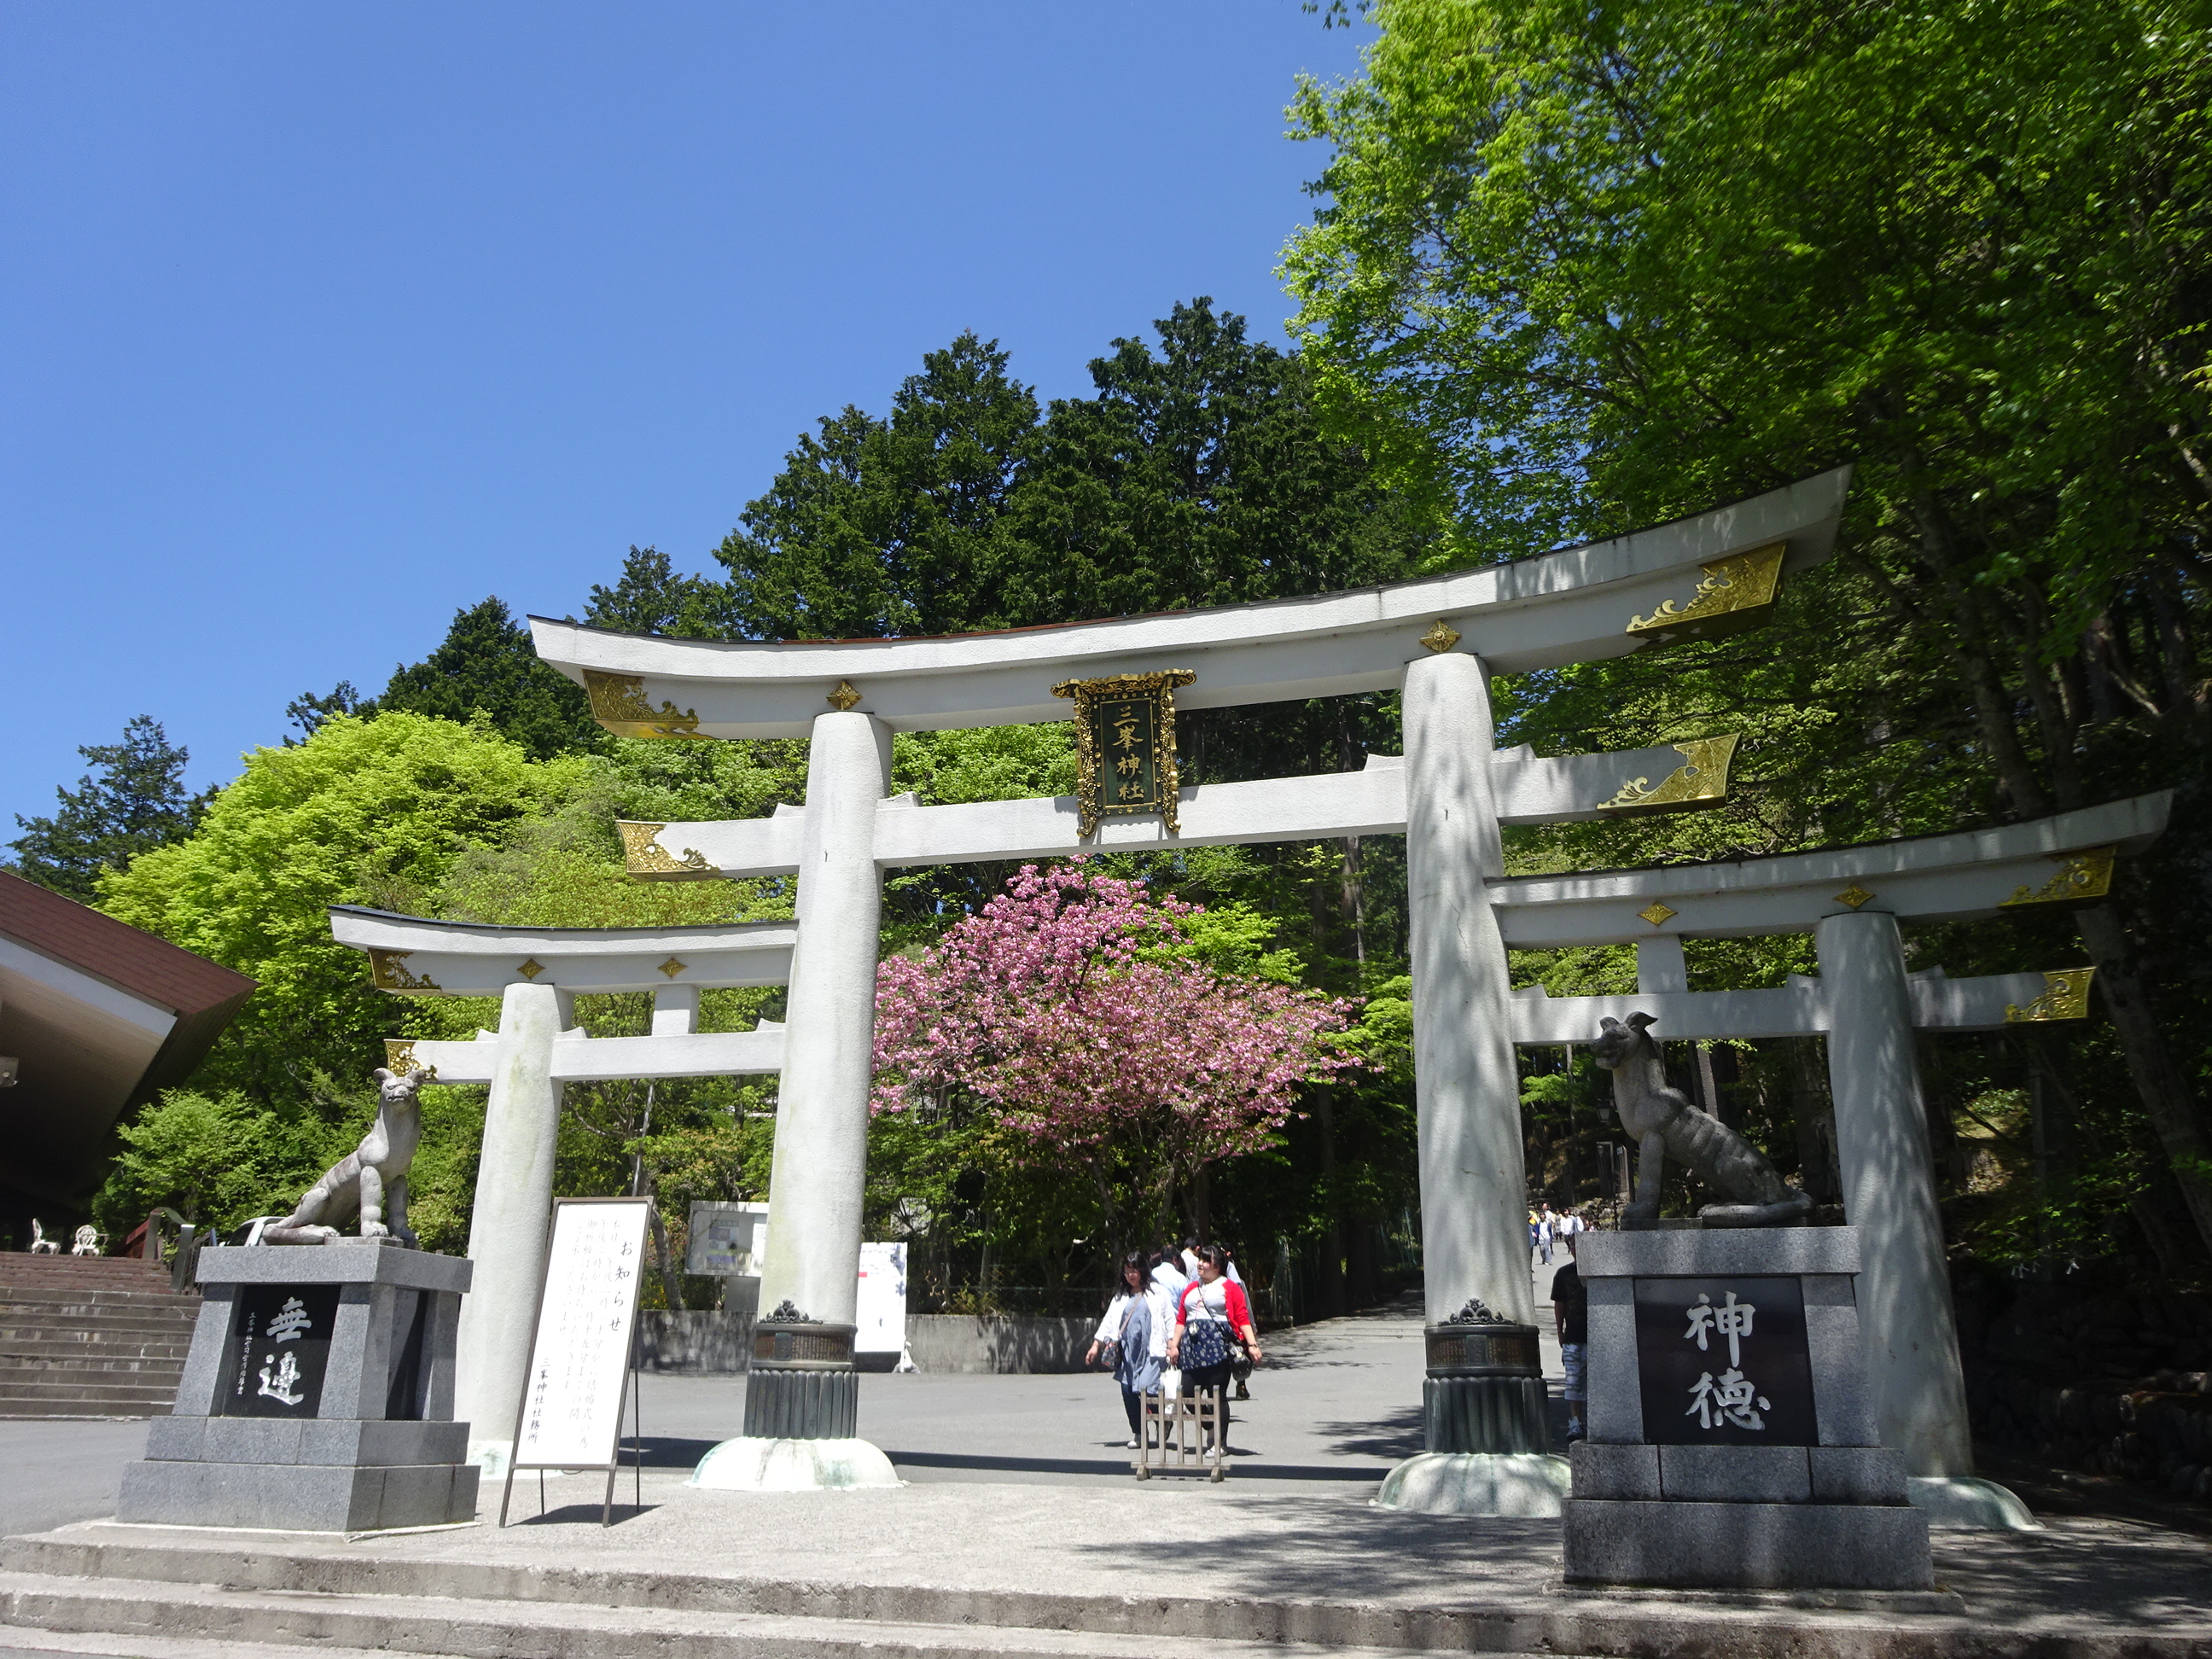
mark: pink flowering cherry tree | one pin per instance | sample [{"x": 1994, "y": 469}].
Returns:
[{"x": 1064, "y": 1010}]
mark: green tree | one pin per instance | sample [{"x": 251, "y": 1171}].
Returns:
[
  {"x": 486, "y": 662},
  {"x": 363, "y": 812},
  {"x": 133, "y": 800},
  {"x": 1579, "y": 268},
  {"x": 883, "y": 528},
  {"x": 651, "y": 598}
]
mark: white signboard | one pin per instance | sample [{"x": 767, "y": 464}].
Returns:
[
  {"x": 572, "y": 1404},
  {"x": 728, "y": 1241},
  {"x": 881, "y": 1315}
]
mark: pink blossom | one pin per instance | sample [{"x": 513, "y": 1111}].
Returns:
[{"x": 1040, "y": 1008}]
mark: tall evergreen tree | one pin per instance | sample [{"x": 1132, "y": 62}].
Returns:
[
  {"x": 893, "y": 527},
  {"x": 133, "y": 800},
  {"x": 485, "y": 661},
  {"x": 1198, "y": 476},
  {"x": 651, "y": 598}
]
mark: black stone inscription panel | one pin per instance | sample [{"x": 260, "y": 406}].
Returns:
[
  {"x": 279, "y": 1351},
  {"x": 1723, "y": 1362}
]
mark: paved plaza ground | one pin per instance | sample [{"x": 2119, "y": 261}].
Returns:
[{"x": 1021, "y": 1513}]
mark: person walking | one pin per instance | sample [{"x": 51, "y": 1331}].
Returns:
[
  {"x": 1136, "y": 1327},
  {"x": 1571, "y": 1313},
  {"x": 1211, "y": 1311},
  {"x": 1546, "y": 1225}
]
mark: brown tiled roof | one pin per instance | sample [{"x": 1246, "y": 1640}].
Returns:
[{"x": 114, "y": 950}]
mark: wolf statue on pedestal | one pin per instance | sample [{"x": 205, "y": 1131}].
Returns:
[
  {"x": 370, "y": 1181},
  {"x": 1665, "y": 1124}
]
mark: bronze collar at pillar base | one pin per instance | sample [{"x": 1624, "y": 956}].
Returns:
[
  {"x": 811, "y": 1347},
  {"x": 1482, "y": 1350}
]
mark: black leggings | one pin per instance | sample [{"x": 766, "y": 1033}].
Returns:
[
  {"x": 1214, "y": 1379},
  {"x": 1133, "y": 1403}
]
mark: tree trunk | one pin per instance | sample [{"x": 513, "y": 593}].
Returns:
[
  {"x": 671, "y": 1287},
  {"x": 1329, "y": 1292},
  {"x": 1813, "y": 1110},
  {"x": 2158, "y": 1081}
]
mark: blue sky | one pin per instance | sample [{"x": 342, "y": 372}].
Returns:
[{"x": 318, "y": 322}]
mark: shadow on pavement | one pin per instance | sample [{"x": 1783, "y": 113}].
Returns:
[{"x": 1396, "y": 1436}]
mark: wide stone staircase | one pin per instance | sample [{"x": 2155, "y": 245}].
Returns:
[{"x": 90, "y": 1336}]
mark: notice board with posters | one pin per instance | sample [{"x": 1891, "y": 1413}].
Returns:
[
  {"x": 880, "y": 1316},
  {"x": 581, "y": 1347}
]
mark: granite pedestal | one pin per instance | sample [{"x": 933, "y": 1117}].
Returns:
[
  {"x": 1732, "y": 1444},
  {"x": 318, "y": 1395}
]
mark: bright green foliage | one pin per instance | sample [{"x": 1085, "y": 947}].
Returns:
[
  {"x": 1577, "y": 269},
  {"x": 485, "y": 662},
  {"x": 364, "y": 812},
  {"x": 215, "y": 1159},
  {"x": 134, "y": 799},
  {"x": 219, "y": 1160}
]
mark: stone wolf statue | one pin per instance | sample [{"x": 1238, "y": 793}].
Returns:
[
  {"x": 1665, "y": 1124},
  {"x": 370, "y": 1181}
]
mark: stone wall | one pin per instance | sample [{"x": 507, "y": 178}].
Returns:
[
  {"x": 2096, "y": 1372},
  {"x": 719, "y": 1344}
]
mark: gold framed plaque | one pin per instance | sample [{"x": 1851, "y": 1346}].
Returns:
[{"x": 1125, "y": 746}]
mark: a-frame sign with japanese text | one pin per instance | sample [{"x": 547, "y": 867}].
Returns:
[{"x": 582, "y": 1345}]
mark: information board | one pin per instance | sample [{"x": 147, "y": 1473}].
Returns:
[
  {"x": 880, "y": 1315},
  {"x": 580, "y": 1355}
]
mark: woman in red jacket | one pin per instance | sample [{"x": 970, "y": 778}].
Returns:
[{"x": 1211, "y": 1308}]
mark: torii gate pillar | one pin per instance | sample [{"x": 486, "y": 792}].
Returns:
[
  {"x": 1889, "y": 1195},
  {"x": 1466, "y": 1086},
  {"x": 802, "y": 1386},
  {"x": 507, "y": 1228},
  {"x": 1483, "y": 1403}
]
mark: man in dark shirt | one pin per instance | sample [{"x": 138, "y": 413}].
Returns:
[{"x": 1571, "y": 1310}]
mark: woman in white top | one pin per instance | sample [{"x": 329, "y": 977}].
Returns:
[{"x": 1137, "y": 1322}]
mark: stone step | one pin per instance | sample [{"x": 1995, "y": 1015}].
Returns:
[
  {"x": 165, "y": 1310},
  {"x": 93, "y": 1339},
  {"x": 476, "y": 1628},
  {"x": 153, "y": 1320},
  {"x": 18, "y": 1269},
  {"x": 167, "y": 1360},
  {"x": 97, "y": 1291},
  {"x": 13, "y": 1410},
  {"x": 125, "y": 1387}
]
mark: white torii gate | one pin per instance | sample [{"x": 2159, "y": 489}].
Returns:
[
  {"x": 537, "y": 973},
  {"x": 1437, "y": 640},
  {"x": 1851, "y": 899}
]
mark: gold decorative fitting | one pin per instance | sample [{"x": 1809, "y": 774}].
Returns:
[
  {"x": 1441, "y": 637},
  {"x": 843, "y": 698},
  {"x": 2081, "y": 876},
  {"x": 619, "y": 704},
  {"x": 399, "y": 1058},
  {"x": 671, "y": 967},
  {"x": 1855, "y": 896},
  {"x": 387, "y": 970},
  {"x": 530, "y": 969},
  {"x": 1736, "y": 594},
  {"x": 1656, "y": 913},
  {"x": 645, "y": 856},
  {"x": 2065, "y": 996},
  {"x": 1701, "y": 781},
  {"x": 1125, "y": 747}
]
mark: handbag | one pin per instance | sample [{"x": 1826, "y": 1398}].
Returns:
[{"x": 1205, "y": 1341}]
